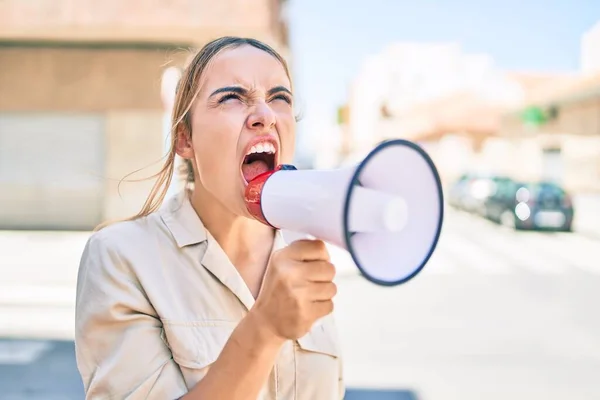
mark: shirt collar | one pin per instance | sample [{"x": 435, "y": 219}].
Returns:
[
  {"x": 187, "y": 229},
  {"x": 182, "y": 220},
  {"x": 185, "y": 224}
]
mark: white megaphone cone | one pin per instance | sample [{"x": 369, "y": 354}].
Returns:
[{"x": 386, "y": 212}]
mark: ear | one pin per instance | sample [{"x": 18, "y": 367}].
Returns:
[{"x": 183, "y": 142}]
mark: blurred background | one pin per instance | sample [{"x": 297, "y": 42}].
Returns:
[{"x": 504, "y": 95}]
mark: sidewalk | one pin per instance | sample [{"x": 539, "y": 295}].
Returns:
[
  {"x": 40, "y": 258},
  {"x": 38, "y": 276},
  {"x": 40, "y": 268}
]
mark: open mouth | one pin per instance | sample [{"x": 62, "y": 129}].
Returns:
[{"x": 260, "y": 159}]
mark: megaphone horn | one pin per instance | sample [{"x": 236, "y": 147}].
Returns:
[{"x": 387, "y": 211}]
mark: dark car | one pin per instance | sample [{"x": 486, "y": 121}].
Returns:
[
  {"x": 470, "y": 191},
  {"x": 524, "y": 205},
  {"x": 458, "y": 190}
]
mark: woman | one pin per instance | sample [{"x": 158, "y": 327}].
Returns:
[{"x": 194, "y": 299}]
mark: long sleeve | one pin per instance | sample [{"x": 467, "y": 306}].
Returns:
[{"x": 119, "y": 340}]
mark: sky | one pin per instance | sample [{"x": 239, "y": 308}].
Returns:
[{"x": 330, "y": 39}]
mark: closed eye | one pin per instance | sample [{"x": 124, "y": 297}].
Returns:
[
  {"x": 236, "y": 96},
  {"x": 283, "y": 97},
  {"x": 230, "y": 96}
]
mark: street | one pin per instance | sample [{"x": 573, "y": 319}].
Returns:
[{"x": 496, "y": 314}]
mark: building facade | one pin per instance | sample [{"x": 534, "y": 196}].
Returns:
[
  {"x": 563, "y": 145},
  {"x": 473, "y": 117},
  {"x": 416, "y": 91},
  {"x": 80, "y": 99},
  {"x": 556, "y": 131}
]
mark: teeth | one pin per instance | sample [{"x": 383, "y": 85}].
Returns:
[{"x": 265, "y": 147}]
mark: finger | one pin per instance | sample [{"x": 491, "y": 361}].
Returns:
[
  {"x": 308, "y": 250},
  {"x": 318, "y": 271},
  {"x": 322, "y": 291},
  {"x": 322, "y": 308}
]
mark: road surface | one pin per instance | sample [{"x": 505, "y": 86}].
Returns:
[{"x": 496, "y": 314}]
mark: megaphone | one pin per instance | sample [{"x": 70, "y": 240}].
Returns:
[{"x": 387, "y": 211}]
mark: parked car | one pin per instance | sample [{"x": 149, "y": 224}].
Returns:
[
  {"x": 457, "y": 191},
  {"x": 526, "y": 205},
  {"x": 470, "y": 191}
]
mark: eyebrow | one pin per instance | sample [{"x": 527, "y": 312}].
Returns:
[
  {"x": 241, "y": 91},
  {"x": 277, "y": 89}
]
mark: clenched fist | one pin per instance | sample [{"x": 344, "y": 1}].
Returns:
[{"x": 297, "y": 290}]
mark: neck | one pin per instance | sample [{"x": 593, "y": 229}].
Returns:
[{"x": 245, "y": 241}]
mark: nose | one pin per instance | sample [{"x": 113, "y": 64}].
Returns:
[{"x": 262, "y": 117}]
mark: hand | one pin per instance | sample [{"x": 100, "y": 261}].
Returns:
[{"x": 297, "y": 290}]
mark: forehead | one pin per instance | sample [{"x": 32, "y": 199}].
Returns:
[{"x": 246, "y": 66}]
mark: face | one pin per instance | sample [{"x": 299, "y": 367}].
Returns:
[{"x": 242, "y": 123}]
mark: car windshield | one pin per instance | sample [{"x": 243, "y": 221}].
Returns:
[{"x": 546, "y": 190}]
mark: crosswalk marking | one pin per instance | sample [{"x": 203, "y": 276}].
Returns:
[
  {"x": 539, "y": 252},
  {"x": 557, "y": 252},
  {"x": 473, "y": 256},
  {"x": 468, "y": 245},
  {"x": 440, "y": 264},
  {"x": 473, "y": 245},
  {"x": 522, "y": 253},
  {"x": 581, "y": 252}
]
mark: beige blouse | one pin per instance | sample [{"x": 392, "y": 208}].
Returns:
[{"x": 157, "y": 299}]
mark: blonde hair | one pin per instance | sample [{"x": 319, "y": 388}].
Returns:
[{"x": 186, "y": 93}]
